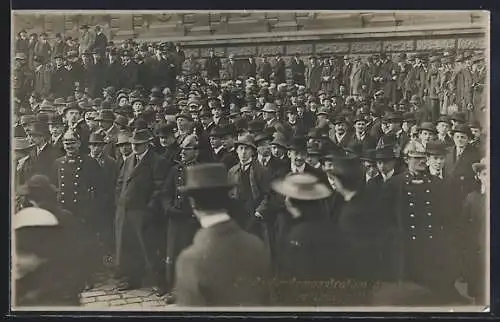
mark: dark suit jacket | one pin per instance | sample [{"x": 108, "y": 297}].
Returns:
[
  {"x": 42, "y": 163},
  {"x": 279, "y": 70},
  {"x": 459, "y": 173},
  {"x": 265, "y": 70},
  {"x": 214, "y": 271},
  {"x": 298, "y": 71}
]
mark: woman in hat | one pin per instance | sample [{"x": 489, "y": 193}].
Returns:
[{"x": 473, "y": 237}]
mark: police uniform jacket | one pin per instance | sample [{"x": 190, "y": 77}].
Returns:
[
  {"x": 422, "y": 224},
  {"x": 77, "y": 182}
]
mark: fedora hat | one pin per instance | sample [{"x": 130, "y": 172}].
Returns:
[
  {"x": 40, "y": 129},
  {"x": 248, "y": 140},
  {"x": 385, "y": 153},
  {"x": 264, "y": 136},
  {"x": 206, "y": 176},
  {"x": 55, "y": 120},
  {"x": 190, "y": 142},
  {"x": 427, "y": 126},
  {"x": 301, "y": 186},
  {"x": 269, "y": 108},
  {"x": 436, "y": 148},
  {"x": 443, "y": 118},
  {"x": 106, "y": 116},
  {"x": 21, "y": 143},
  {"x": 217, "y": 131},
  {"x": 280, "y": 141},
  {"x": 140, "y": 136},
  {"x": 37, "y": 181},
  {"x": 33, "y": 217},
  {"x": 256, "y": 125},
  {"x": 97, "y": 138},
  {"x": 123, "y": 137},
  {"x": 462, "y": 128},
  {"x": 317, "y": 133}
]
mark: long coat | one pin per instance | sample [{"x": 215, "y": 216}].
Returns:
[
  {"x": 423, "y": 250},
  {"x": 313, "y": 78},
  {"x": 357, "y": 79},
  {"x": 214, "y": 271},
  {"x": 137, "y": 196},
  {"x": 463, "y": 81},
  {"x": 298, "y": 71},
  {"x": 42, "y": 163},
  {"x": 41, "y": 81},
  {"x": 255, "y": 200},
  {"x": 279, "y": 70},
  {"x": 264, "y": 71},
  {"x": 213, "y": 66}
]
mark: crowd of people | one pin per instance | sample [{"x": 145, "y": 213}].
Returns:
[{"x": 349, "y": 181}]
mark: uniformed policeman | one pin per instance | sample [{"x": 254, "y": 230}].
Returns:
[
  {"x": 75, "y": 177},
  {"x": 422, "y": 252},
  {"x": 182, "y": 223}
]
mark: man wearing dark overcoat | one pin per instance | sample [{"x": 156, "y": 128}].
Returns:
[
  {"x": 313, "y": 75},
  {"x": 224, "y": 266},
  {"x": 279, "y": 70},
  {"x": 137, "y": 196},
  {"x": 298, "y": 70},
  {"x": 213, "y": 66},
  {"x": 42, "y": 156}
]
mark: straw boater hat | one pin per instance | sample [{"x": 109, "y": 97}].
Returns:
[
  {"x": 301, "y": 186},
  {"x": 206, "y": 176},
  {"x": 33, "y": 217}
]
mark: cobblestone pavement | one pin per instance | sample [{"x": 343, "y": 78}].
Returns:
[{"x": 104, "y": 295}]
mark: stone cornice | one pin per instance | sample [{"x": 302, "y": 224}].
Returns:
[{"x": 329, "y": 34}]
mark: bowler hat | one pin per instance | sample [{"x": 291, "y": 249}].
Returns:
[
  {"x": 462, "y": 128},
  {"x": 339, "y": 119},
  {"x": 206, "y": 176},
  {"x": 299, "y": 143},
  {"x": 97, "y": 138},
  {"x": 218, "y": 132},
  {"x": 409, "y": 117},
  {"x": 436, "y": 148},
  {"x": 36, "y": 182},
  {"x": 21, "y": 143},
  {"x": 302, "y": 186},
  {"x": 280, "y": 141},
  {"x": 123, "y": 137},
  {"x": 264, "y": 136},
  {"x": 248, "y": 140},
  {"x": 140, "y": 136},
  {"x": 165, "y": 129},
  {"x": 106, "y": 116}
]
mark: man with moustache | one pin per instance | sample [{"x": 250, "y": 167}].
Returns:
[
  {"x": 340, "y": 135},
  {"x": 124, "y": 148}
]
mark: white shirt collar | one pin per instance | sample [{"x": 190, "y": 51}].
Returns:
[
  {"x": 263, "y": 160},
  {"x": 244, "y": 167},
  {"x": 141, "y": 156},
  {"x": 218, "y": 149},
  {"x": 296, "y": 169},
  {"x": 368, "y": 178},
  {"x": 38, "y": 150},
  {"x": 388, "y": 175},
  {"x": 212, "y": 220},
  {"x": 339, "y": 137}
]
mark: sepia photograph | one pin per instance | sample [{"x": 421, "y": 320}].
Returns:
[{"x": 278, "y": 161}]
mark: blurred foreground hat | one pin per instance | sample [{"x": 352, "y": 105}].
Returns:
[
  {"x": 301, "y": 186},
  {"x": 206, "y": 176}
]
